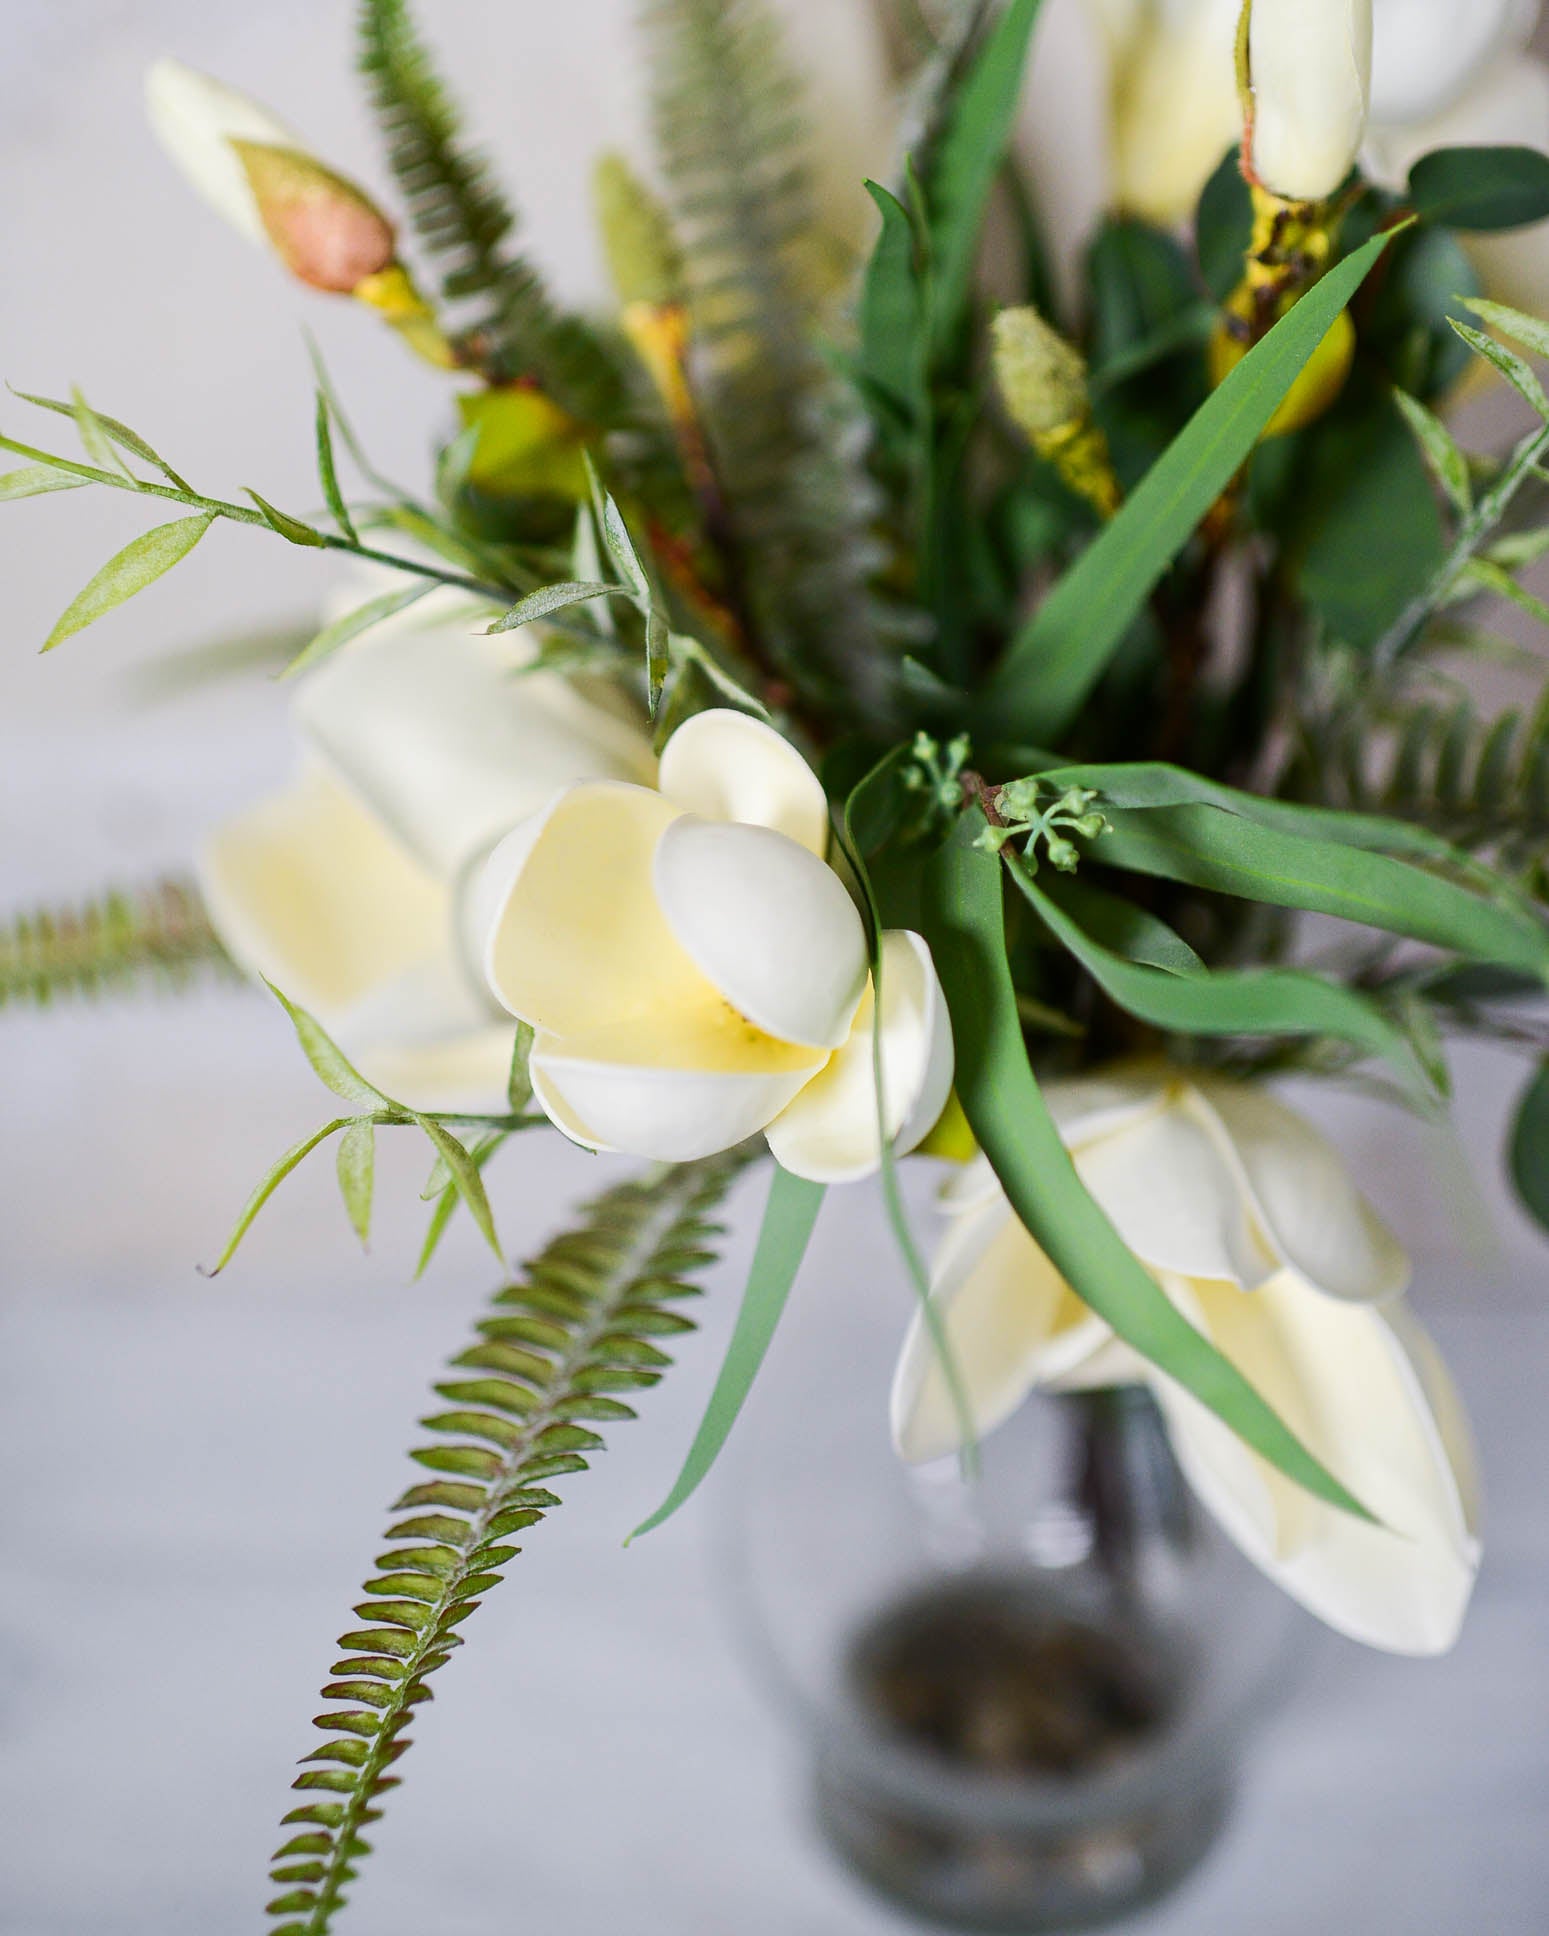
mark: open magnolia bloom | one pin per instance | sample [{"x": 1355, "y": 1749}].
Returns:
[
  {"x": 696, "y": 972},
  {"x": 423, "y": 746},
  {"x": 1245, "y": 1216}
]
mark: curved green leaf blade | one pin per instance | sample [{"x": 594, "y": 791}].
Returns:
[
  {"x": 1481, "y": 188},
  {"x": 34, "y": 480},
  {"x": 352, "y": 624},
  {"x": 791, "y": 1212},
  {"x": 1006, "y": 1109},
  {"x": 356, "y": 1166},
  {"x": 268, "y": 1184},
  {"x": 329, "y": 1062},
  {"x": 141, "y": 562},
  {"x": 1257, "y": 1001},
  {"x": 1058, "y": 657},
  {"x": 1530, "y": 1147}
]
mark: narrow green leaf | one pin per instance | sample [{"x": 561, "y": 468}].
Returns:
[
  {"x": 34, "y": 480},
  {"x": 782, "y": 1243},
  {"x": 1008, "y": 1114},
  {"x": 465, "y": 1178},
  {"x": 1255, "y": 1001},
  {"x": 893, "y": 347},
  {"x": 1058, "y": 657},
  {"x": 658, "y": 660},
  {"x": 969, "y": 156},
  {"x": 293, "y": 530},
  {"x": 550, "y": 598},
  {"x": 1481, "y": 188},
  {"x": 1530, "y": 1147},
  {"x": 267, "y": 1186},
  {"x": 1133, "y": 933},
  {"x": 328, "y": 1060},
  {"x": 1517, "y": 372},
  {"x": 1447, "y": 463},
  {"x": 141, "y": 562},
  {"x": 448, "y": 1200},
  {"x": 1490, "y": 577},
  {"x": 352, "y": 624},
  {"x": 519, "y": 1082},
  {"x": 95, "y": 441},
  {"x": 615, "y": 536},
  {"x": 328, "y": 471},
  {"x": 1532, "y": 332},
  {"x": 108, "y": 429},
  {"x": 357, "y": 1174}
]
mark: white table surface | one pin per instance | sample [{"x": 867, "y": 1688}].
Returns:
[{"x": 194, "y": 1473}]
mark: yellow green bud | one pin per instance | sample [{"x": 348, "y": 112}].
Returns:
[
  {"x": 643, "y": 254},
  {"x": 1041, "y": 377}
]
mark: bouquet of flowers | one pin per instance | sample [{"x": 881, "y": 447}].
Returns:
[{"x": 892, "y": 688}]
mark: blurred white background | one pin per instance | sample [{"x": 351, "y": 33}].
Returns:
[{"x": 195, "y": 1473}]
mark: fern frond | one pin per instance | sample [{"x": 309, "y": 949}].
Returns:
[
  {"x": 784, "y": 434},
  {"x": 586, "y": 1323},
  {"x": 160, "y": 934},
  {"x": 465, "y": 223}
]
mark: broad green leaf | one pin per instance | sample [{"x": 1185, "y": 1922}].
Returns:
[
  {"x": 34, "y": 480},
  {"x": 1447, "y": 463},
  {"x": 1223, "y": 227},
  {"x": 270, "y": 1182},
  {"x": 352, "y": 624},
  {"x": 1255, "y": 1001},
  {"x": 1230, "y": 854},
  {"x": 1008, "y": 1114},
  {"x": 1530, "y": 331},
  {"x": 1131, "y": 932},
  {"x": 1517, "y": 372},
  {"x": 293, "y": 530},
  {"x": 550, "y": 598},
  {"x": 357, "y": 1174},
  {"x": 1481, "y": 188},
  {"x": 1530, "y": 1147},
  {"x": 791, "y": 1212},
  {"x": 968, "y": 157},
  {"x": 141, "y": 562},
  {"x": 465, "y": 1176},
  {"x": 329, "y": 1062},
  {"x": 893, "y": 346},
  {"x": 328, "y": 472},
  {"x": 1058, "y": 657}
]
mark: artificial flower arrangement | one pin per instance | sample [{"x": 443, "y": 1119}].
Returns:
[{"x": 819, "y": 714}]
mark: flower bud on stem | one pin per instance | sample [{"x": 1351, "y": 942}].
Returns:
[{"x": 1042, "y": 382}]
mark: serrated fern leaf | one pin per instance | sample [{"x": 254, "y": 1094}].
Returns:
[
  {"x": 120, "y": 941},
  {"x": 466, "y": 224},
  {"x": 784, "y": 435},
  {"x": 552, "y": 1357}
]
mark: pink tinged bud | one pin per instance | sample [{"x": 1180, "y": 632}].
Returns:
[{"x": 325, "y": 230}]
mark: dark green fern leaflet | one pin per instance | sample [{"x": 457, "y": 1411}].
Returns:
[
  {"x": 464, "y": 221},
  {"x": 160, "y": 934},
  {"x": 783, "y": 432},
  {"x": 586, "y": 1322}
]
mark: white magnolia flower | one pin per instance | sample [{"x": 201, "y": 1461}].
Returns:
[
  {"x": 256, "y": 173},
  {"x": 1309, "y": 68},
  {"x": 423, "y": 746},
  {"x": 1245, "y": 1216},
  {"x": 696, "y": 972}
]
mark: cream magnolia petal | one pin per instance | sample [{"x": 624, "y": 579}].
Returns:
[
  {"x": 1173, "y": 1196},
  {"x": 196, "y": 118},
  {"x": 1341, "y": 1377},
  {"x": 1063, "y": 135},
  {"x": 724, "y": 765},
  {"x": 565, "y": 922},
  {"x": 1311, "y": 66},
  {"x": 768, "y": 924},
  {"x": 667, "y": 1115},
  {"x": 467, "y": 1071},
  {"x": 1425, "y": 53},
  {"x": 307, "y": 890},
  {"x": 1175, "y": 106},
  {"x": 829, "y": 1133},
  {"x": 450, "y": 744},
  {"x": 969, "y": 1187},
  {"x": 1306, "y": 1210},
  {"x": 1110, "y": 1362},
  {"x": 1010, "y": 1322},
  {"x": 1085, "y": 1108}
]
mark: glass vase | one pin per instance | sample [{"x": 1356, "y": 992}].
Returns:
[{"x": 1024, "y": 1692}]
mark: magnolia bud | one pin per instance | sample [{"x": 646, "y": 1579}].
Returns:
[
  {"x": 252, "y": 170},
  {"x": 1041, "y": 377},
  {"x": 1309, "y": 70}
]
